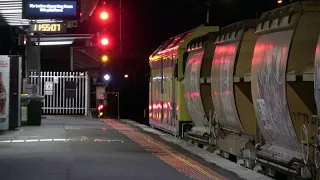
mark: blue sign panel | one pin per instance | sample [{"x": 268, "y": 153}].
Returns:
[{"x": 42, "y": 9}]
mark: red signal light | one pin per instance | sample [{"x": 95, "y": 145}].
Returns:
[
  {"x": 100, "y": 107},
  {"x": 104, "y": 41},
  {"x": 104, "y": 15}
]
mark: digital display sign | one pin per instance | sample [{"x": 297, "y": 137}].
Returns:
[
  {"x": 48, "y": 28},
  {"x": 42, "y": 9}
]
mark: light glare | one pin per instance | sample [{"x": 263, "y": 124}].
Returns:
[
  {"x": 104, "y": 41},
  {"x": 105, "y": 58},
  {"x": 106, "y": 77},
  {"x": 104, "y": 15}
]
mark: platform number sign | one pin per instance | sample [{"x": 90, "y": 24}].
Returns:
[{"x": 48, "y": 88}]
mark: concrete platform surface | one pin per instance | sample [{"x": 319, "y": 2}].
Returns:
[{"x": 72, "y": 148}]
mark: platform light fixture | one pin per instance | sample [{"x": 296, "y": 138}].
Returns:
[
  {"x": 52, "y": 43},
  {"x": 106, "y": 77}
]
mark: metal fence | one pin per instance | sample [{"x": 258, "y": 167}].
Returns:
[{"x": 65, "y": 92}]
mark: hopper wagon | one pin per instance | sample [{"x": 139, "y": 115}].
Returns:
[
  {"x": 283, "y": 88},
  {"x": 231, "y": 94},
  {"x": 218, "y": 99},
  {"x": 197, "y": 88}
]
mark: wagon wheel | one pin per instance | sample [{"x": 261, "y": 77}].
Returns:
[
  {"x": 316, "y": 151},
  {"x": 304, "y": 144}
]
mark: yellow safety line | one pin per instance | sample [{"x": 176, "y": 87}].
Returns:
[
  {"x": 179, "y": 158},
  {"x": 185, "y": 161}
]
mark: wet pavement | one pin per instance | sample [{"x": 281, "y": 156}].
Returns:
[{"x": 71, "y": 148}]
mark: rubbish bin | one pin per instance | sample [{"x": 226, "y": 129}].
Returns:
[
  {"x": 25, "y": 99},
  {"x": 34, "y": 112}
]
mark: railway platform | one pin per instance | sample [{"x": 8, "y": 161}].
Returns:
[{"x": 85, "y": 148}]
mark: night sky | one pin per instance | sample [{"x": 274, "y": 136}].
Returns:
[{"x": 150, "y": 22}]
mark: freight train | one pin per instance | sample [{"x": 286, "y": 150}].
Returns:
[{"x": 251, "y": 90}]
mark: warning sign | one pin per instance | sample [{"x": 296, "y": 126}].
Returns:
[{"x": 48, "y": 88}]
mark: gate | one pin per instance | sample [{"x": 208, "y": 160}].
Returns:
[{"x": 66, "y": 93}]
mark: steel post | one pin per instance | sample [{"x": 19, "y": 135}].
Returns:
[
  {"x": 39, "y": 68},
  {"x": 118, "y": 104},
  {"x": 71, "y": 58}
]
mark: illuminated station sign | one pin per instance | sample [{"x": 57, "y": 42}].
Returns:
[
  {"x": 48, "y": 28},
  {"x": 50, "y": 9}
]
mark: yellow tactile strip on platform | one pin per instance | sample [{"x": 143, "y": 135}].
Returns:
[{"x": 175, "y": 159}]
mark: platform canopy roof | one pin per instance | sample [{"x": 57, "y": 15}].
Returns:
[
  {"x": 59, "y": 39},
  {"x": 11, "y": 12},
  {"x": 11, "y": 15}
]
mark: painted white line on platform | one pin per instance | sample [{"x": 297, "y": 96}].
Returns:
[
  {"x": 61, "y": 140},
  {"x": 107, "y": 140},
  {"x": 5, "y": 141},
  {"x": 32, "y": 140},
  {"x": 17, "y": 141},
  {"x": 45, "y": 140}
]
